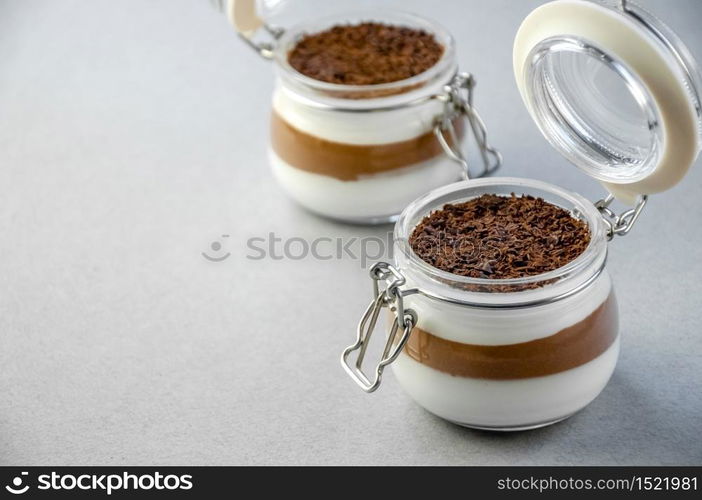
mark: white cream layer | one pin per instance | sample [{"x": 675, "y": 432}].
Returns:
[
  {"x": 376, "y": 127},
  {"x": 507, "y": 326},
  {"x": 505, "y": 403},
  {"x": 378, "y": 196}
]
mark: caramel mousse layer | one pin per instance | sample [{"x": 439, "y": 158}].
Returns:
[
  {"x": 348, "y": 162},
  {"x": 569, "y": 348}
]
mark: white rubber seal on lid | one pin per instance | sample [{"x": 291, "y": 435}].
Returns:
[
  {"x": 242, "y": 15},
  {"x": 620, "y": 41}
]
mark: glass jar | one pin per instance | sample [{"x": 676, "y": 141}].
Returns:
[
  {"x": 618, "y": 95},
  {"x": 510, "y": 353},
  {"x": 361, "y": 153}
]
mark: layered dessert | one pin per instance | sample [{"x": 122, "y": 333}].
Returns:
[
  {"x": 514, "y": 367},
  {"x": 366, "y": 154}
]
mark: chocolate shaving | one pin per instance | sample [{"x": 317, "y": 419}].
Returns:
[
  {"x": 365, "y": 54},
  {"x": 500, "y": 237}
]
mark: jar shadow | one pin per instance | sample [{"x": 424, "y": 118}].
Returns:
[{"x": 385, "y": 223}]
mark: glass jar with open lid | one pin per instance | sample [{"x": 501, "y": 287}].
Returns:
[
  {"x": 618, "y": 94},
  {"x": 361, "y": 152}
]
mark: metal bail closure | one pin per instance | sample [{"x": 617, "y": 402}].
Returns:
[
  {"x": 243, "y": 16},
  {"x": 404, "y": 321},
  {"x": 619, "y": 225},
  {"x": 458, "y": 101}
]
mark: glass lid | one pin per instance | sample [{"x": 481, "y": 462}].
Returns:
[
  {"x": 247, "y": 16},
  {"x": 613, "y": 90}
]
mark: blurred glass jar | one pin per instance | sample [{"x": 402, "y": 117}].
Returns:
[{"x": 361, "y": 153}]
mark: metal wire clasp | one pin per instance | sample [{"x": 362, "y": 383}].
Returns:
[
  {"x": 619, "y": 225},
  {"x": 458, "y": 101},
  {"x": 264, "y": 49},
  {"x": 229, "y": 8},
  {"x": 404, "y": 320}
]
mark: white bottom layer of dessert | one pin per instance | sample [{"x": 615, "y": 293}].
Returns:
[
  {"x": 373, "y": 199},
  {"x": 506, "y": 404}
]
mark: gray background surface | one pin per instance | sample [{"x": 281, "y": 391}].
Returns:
[{"x": 133, "y": 134}]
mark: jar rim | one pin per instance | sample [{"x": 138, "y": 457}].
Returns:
[
  {"x": 397, "y": 17},
  {"x": 464, "y": 190}
]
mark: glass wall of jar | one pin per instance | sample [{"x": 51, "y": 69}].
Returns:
[
  {"x": 508, "y": 353},
  {"x": 505, "y": 353},
  {"x": 361, "y": 153}
]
